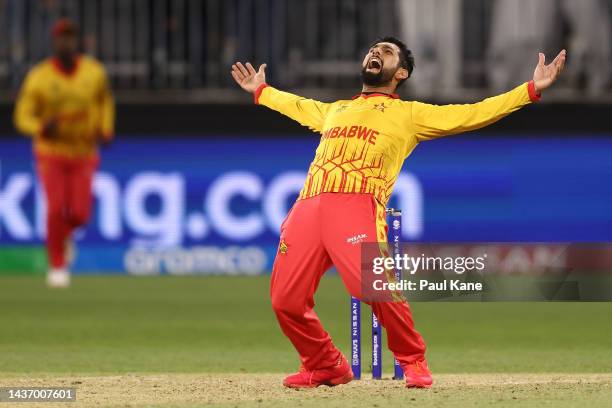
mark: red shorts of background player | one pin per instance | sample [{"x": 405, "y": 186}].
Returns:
[{"x": 67, "y": 183}]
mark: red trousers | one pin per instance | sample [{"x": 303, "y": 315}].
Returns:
[
  {"x": 316, "y": 234},
  {"x": 67, "y": 184}
]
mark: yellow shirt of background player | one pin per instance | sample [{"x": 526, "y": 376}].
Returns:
[{"x": 80, "y": 101}]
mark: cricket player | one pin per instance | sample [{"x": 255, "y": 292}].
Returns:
[
  {"x": 364, "y": 142},
  {"x": 65, "y": 105}
]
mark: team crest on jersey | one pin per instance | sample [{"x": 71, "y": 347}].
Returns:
[
  {"x": 282, "y": 247},
  {"x": 380, "y": 106}
]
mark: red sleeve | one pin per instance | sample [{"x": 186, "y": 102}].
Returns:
[
  {"x": 257, "y": 93},
  {"x": 535, "y": 97}
]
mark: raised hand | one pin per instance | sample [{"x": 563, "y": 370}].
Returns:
[
  {"x": 247, "y": 77},
  {"x": 545, "y": 75}
]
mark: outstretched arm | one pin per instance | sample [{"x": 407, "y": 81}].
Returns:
[
  {"x": 431, "y": 121},
  {"x": 307, "y": 112}
]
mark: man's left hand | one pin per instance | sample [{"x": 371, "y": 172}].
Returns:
[{"x": 545, "y": 75}]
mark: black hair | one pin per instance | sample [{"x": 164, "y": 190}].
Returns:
[{"x": 406, "y": 56}]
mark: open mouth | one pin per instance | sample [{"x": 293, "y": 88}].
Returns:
[{"x": 374, "y": 64}]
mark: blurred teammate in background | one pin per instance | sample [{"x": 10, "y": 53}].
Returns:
[
  {"x": 364, "y": 142},
  {"x": 66, "y": 106}
]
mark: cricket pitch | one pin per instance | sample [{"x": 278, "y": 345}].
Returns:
[{"x": 265, "y": 390}]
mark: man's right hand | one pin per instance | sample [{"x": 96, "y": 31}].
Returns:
[
  {"x": 247, "y": 77},
  {"x": 49, "y": 130}
]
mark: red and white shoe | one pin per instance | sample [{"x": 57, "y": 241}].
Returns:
[
  {"x": 417, "y": 374},
  {"x": 341, "y": 373}
]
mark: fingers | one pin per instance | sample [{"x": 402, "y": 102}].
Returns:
[
  {"x": 236, "y": 76},
  {"x": 242, "y": 69},
  {"x": 541, "y": 59},
  {"x": 559, "y": 66},
  {"x": 558, "y": 63},
  {"x": 561, "y": 61},
  {"x": 237, "y": 73},
  {"x": 559, "y": 56},
  {"x": 240, "y": 72},
  {"x": 250, "y": 68}
]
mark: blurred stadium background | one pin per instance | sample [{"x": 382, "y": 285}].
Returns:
[{"x": 199, "y": 180}]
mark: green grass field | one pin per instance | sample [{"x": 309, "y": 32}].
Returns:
[{"x": 209, "y": 329}]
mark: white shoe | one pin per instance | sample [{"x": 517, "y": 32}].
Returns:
[{"x": 58, "y": 278}]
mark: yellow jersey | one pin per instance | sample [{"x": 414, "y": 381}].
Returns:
[
  {"x": 80, "y": 100},
  {"x": 364, "y": 141}
]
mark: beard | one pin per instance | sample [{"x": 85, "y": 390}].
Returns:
[{"x": 381, "y": 78}]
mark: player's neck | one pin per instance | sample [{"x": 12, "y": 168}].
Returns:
[
  {"x": 67, "y": 62},
  {"x": 388, "y": 89}
]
